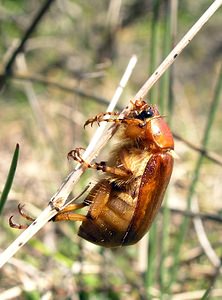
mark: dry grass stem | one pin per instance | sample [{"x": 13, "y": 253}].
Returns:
[
  {"x": 214, "y": 157},
  {"x": 202, "y": 236},
  {"x": 178, "y": 49},
  {"x": 198, "y": 294}
]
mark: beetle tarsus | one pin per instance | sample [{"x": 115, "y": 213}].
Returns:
[
  {"x": 103, "y": 117},
  {"x": 15, "y": 225},
  {"x": 75, "y": 155},
  {"x": 24, "y": 215},
  {"x": 67, "y": 214},
  {"x": 101, "y": 166}
]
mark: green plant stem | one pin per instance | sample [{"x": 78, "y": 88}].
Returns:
[
  {"x": 152, "y": 249},
  {"x": 164, "y": 82},
  {"x": 10, "y": 178},
  {"x": 164, "y": 103},
  {"x": 154, "y": 45}
]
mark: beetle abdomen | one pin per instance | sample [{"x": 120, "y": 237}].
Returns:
[{"x": 106, "y": 225}]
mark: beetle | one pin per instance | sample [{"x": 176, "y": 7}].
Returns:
[{"x": 125, "y": 201}]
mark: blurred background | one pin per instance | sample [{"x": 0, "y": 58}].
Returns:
[{"x": 61, "y": 62}]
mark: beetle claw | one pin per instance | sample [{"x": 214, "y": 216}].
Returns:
[
  {"x": 15, "y": 225},
  {"x": 24, "y": 215},
  {"x": 75, "y": 155}
]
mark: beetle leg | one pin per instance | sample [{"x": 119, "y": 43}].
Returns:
[
  {"x": 69, "y": 217},
  {"x": 24, "y": 215},
  {"x": 124, "y": 120},
  {"x": 71, "y": 207},
  {"x": 138, "y": 104},
  {"x": 15, "y": 225},
  {"x": 101, "y": 166},
  {"x": 66, "y": 214},
  {"x": 75, "y": 155},
  {"x": 121, "y": 172},
  {"x": 101, "y": 118}
]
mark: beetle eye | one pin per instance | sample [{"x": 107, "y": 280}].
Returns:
[{"x": 145, "y": 114}]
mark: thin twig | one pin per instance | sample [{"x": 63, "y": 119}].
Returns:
[
  {"x": 210, "y": 290},
  {"x": 68, "y": 88},
  {"x": 202, "y": 236},
  {"x": 197, "y": 294},
  {"x": 208, "y": 154},
  {"x": 43, "y": 9},
  {"x": 190, "y": 214}
]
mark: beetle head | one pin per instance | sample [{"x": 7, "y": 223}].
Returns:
[{"x": 152, "y": 127}]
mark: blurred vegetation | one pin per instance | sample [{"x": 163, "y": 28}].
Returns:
[{"x": 74, "y": 59}]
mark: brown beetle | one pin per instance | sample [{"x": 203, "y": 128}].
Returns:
[{"x": 123, "y": 204}]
